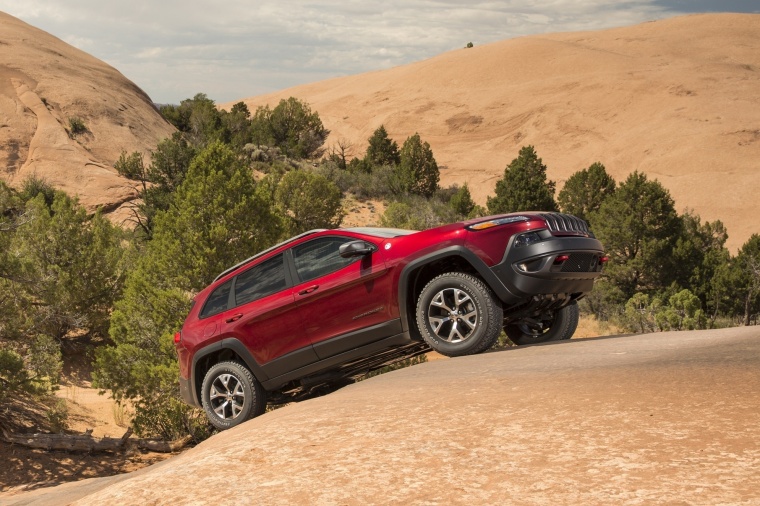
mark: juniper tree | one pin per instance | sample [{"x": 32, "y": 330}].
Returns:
[
  {"x": 524, "y": 186},
  {"x": 217, "y": 218},
  {"x": 639, "y": 228},
  {"x": 585, "y": 191},
  {"x": 382, "y": 150},
  {"x": 308, "y": 201},
  {"x": 418, "y": 170}
]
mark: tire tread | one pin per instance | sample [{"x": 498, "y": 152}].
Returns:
[{"x": 492, "y": 318}]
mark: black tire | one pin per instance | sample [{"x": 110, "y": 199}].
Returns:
[
  {"x": 561, "y": 327},
  {"x": 231, "y": 395},
  {"x": 455, "y": 301}
]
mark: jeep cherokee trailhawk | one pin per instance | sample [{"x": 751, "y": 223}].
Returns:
[{"x": 328, "y": 306}]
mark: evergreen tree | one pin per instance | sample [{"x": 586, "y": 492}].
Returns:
[
  {"x": 66, "y": 270},
  {"x": 60, "y": 271},
  {"x": 463, "y": 204},
  {"x": 414, "y": 212},
  {"x": 418, "y": 171},
  {"x": 216, "y": 219},
  {"x": 198, "y": 118},
  {"x": 292, "y": 127},
  {"x": 382, "y": 150},
  {"x": 746, "y": 279},
  {"x": 585, "y": 191},
  {"x": 237, "y": 126},
  {"x": 698, "y": 257},
  {"x": 524, "y": 186},
  {"x": 639, "y": 227},
  {"x": 158, "y": 182},
  {"x": 308, "y": 201}
]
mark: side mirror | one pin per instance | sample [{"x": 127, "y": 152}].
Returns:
[{"x": 355, "y": 249}]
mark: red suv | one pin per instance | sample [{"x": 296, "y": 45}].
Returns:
[{"x": 328, "y": 306}]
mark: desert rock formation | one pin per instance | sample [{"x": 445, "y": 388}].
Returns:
[
  {"x": 43, "y": 83},
  {"x": 678, "y": 99}
]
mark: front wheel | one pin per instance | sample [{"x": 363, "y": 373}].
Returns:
[
  {"x": 561, "y": 326},
  {"x": 458, "y": 314},
  {"x": 231, "y": 395}
]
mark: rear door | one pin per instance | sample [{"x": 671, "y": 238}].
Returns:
[
  {"x": 265, "y": 318},
  {"x": 343, "y": 302}
]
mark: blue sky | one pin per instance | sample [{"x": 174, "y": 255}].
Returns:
[{"x": 234, "y": 49}]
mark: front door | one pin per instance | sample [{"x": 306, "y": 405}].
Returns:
[{"x": 344, "y": 303}]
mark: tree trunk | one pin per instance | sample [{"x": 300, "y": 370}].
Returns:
[
  {"x": 746, "y": 309},
  {"x": 87, "y": 443}
]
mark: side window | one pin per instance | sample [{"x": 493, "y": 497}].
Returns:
[
  {"x": 257, "y": 282},
  {"x": 217, "y": 301},
  {"x": 320, "y": 257}
]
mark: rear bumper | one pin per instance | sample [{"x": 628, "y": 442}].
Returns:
[
  {"x": 528, "y": 271},
  {"x": 186, "y": 392}
]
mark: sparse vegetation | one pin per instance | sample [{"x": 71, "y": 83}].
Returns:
[
  {"x": 248, "y": 180},
  {"x": 76, "y": 126},
  {"x": 60, "y": 272}
]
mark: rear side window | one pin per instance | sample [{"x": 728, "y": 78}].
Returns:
[
  {"x": 217, "y": 301},
  {"x": 320, "y": 257},
  {"x": 264, "y": 279}
]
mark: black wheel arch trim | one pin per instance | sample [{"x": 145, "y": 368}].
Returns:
[
  {"x": 234, "y": 345},
  {"x": 470, "y": 257}
]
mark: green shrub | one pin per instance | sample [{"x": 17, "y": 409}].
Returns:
[
  {"x": 308, "y": 201},
  {"x": 76, "y": 126},
  {"x": 413, "y": 212},
  {"x": 58, "y": 415},
  {"x": 131, "y": 166},
  {"x": 33, "y": 186},
  {"x": 38, "y": 374}
]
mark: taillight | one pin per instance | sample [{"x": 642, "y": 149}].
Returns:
[
  {"x": 561, "y": 258},
  {"x": 604, "y": 259},
  {"x": 177, "y": 337}
]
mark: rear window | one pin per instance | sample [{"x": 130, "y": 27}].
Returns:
[
  {"x": 217, "y": 301},
  {"x": 258, "y": 282}
]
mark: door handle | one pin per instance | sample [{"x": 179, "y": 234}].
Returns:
[
  {"x": 234, "y": 318},
  {"x": 312, "y": 288}
]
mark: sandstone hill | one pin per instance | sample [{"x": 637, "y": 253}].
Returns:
[
  {"x": 678, "y": 99},
  {"x": 45, "y": 82},
  {"x": 663, "y": 418}
]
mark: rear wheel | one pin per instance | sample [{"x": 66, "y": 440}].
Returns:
[
  {"x": 231, "y": 395},
  {"x": 561, "y": 326},
  {"x": 458, "y": 314}
]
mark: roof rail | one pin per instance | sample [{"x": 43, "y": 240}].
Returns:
[{"x": 261, "y": 253}]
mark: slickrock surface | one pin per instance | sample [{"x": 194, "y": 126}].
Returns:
[{"x": 666, "y": 418}]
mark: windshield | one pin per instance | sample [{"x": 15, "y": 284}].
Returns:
[{"x": 384, "y": 233}]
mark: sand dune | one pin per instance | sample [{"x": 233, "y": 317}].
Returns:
[
  {"x": 43, "y": 83},
  {"x": 678, "y": 99}
]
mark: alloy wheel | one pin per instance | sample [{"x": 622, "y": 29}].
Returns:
[
  {"x": 227, "y": 396},
  {"x": 452, "y": 315}
]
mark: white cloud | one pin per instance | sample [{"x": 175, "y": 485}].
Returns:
[{"x": 233, "y": 49}]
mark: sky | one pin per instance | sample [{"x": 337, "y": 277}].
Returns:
[{"x": 235, "y": 49}]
